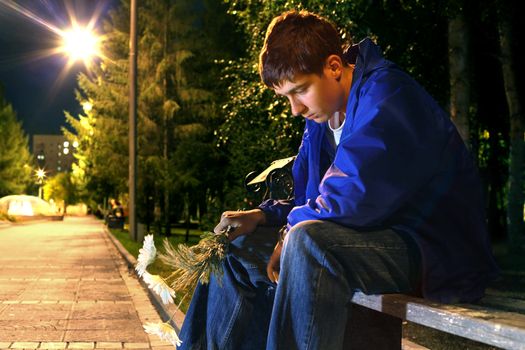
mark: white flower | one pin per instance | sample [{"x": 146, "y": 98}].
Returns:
[
  {"x": 159, "y": 286},
  {"x": 146, "y": 255},
  {"x": 164, "y": 331}
]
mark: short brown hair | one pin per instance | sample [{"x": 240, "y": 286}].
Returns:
[{"x": 297, "y": 42}]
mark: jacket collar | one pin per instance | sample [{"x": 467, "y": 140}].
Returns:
[{"x": 367, "y": 57}]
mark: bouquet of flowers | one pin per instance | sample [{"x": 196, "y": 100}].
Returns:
[{"x": 191, "y": 265}]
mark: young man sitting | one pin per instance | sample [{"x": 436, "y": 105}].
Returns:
[{"x": 387, "y": 200}]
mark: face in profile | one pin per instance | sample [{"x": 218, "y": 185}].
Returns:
[{"x": 315, "y": 97}]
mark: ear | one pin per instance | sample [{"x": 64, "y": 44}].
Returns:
[{"x": 334, "y": 67}]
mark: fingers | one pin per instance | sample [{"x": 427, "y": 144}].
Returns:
[
  {"x": 276, "y": 277},
  {"x": 272, "y": 274},
  {"x": 226, "y": 220},
  {"x": 273, "y": 267}
]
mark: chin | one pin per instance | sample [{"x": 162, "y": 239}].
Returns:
[{"x": 321, "y": 119}]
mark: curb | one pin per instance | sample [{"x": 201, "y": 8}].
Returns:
[{"x": 164, "y": 312}]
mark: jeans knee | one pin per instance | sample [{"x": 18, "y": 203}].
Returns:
[
  {"x": 304, "y": 231},
  {"x": 304, "y": 240}
]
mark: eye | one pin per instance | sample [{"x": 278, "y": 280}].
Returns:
[{"x": 302, "y": 90}]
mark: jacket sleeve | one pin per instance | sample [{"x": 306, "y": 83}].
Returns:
[
  {"x": 276, "y": 211},
  {"x": 386, "y": 153}
]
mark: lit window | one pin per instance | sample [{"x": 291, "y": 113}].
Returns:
[
  {"x": 59, "y": 154},
  {"x": 59, "y": 168}
]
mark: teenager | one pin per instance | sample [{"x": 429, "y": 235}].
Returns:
[{"x": 387, "y": 200}]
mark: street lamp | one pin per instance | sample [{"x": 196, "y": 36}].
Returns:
[
  {"x": 40, "y": 175},
  {"x": 79, "y": 44}
]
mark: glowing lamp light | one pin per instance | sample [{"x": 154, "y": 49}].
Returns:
[
  {"x": 80, "y": 44},
  {"x": 87, "y": 106},
  {"x": 40, "y": 175}
]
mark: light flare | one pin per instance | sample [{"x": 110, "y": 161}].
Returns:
[{"x": 79, "y": 42}]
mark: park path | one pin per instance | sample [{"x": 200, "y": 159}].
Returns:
[{"x": 63, "y": 285}]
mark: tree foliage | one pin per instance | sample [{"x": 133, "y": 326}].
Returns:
[
  {"x": 414, "y": 34},
  {"x": 61, "y": 189},
  {"x": 15, "y": 158},
  {"x": 177, "y": 110},
  {"x": 205, "y": 119}
]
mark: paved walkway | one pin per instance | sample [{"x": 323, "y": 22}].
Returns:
[{"x": 64, "y": 285}]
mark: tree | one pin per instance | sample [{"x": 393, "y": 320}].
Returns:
[
  {"x": 15, "y": 158},
  {"x": 60, "y": 189},
  {"x": 259, "y": 127},
  {"x": 177, "y": 110},
  {"x": 458, "y": 50},
  {"x": 516, "y": 190}
]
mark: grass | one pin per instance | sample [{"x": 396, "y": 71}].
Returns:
[{"x": 158, "y": 267}]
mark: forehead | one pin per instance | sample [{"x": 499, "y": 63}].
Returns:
[{"x": 286, "y": 86}]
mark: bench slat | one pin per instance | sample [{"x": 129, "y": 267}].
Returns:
[{"x": 483, "y": 324}]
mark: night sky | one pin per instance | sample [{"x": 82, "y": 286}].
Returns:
[{"x": 30, "y": 80}]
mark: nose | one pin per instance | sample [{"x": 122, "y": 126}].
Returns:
[{"x": 298, "y": 108}]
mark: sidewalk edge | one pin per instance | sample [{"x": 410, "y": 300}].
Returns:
[{"x": 163, "y": 311}]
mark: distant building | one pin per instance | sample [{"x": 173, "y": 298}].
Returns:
[{"x": 53, "y": 153}]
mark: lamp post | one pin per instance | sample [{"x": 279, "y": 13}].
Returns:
[
  {"x": 133, "y": 120},
  {"x": 82, "y": 44},
  {"x": 40, "y": 175}
]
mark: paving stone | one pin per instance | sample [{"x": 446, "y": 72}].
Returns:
[
  {"x": 109, "y": 345},
  {"x": 53, "y": 345},
  {"x": 136, "y": 345},
  {"x": 122, "y": 335},
  {"x": 104, "y": 311},
  {"x": 103, "y": 324},
  {"x": 33, "y": 325},
  {"x": 24, "y": 345},
  {"x": 81, "y": 345},
  {"x": 158, "y": 342},
  {"x": 66, "y": 282},
  {"x": 32, "y": 312},
  {"x": 4, "y": 345}
]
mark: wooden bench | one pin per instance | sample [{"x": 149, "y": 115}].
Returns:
[{"x": 377, "y": 321}]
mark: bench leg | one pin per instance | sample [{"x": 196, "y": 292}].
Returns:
[{"x": 370, "y": 329}]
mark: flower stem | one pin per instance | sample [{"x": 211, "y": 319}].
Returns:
[{"x": 178, "y": 307}]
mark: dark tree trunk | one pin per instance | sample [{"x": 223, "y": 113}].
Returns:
[
  {"x": 458, "y": 44},
  {"x": 516, "y": 197}
]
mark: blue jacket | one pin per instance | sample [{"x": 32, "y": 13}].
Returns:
[{"x": 400, "y": 164}]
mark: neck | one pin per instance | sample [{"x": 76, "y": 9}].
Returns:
[{"x": 346, "y": 84}]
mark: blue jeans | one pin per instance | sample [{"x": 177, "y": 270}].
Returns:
[{"x": 322, "y": 265}]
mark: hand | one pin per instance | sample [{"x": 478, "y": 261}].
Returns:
[
  {"x": 241, "y": 222},
  {"x": 273, "y": 268}
]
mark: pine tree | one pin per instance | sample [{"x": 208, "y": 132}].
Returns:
[
  {"x": 15, "y": 158},
  {"x": 176, "y": 116}
]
